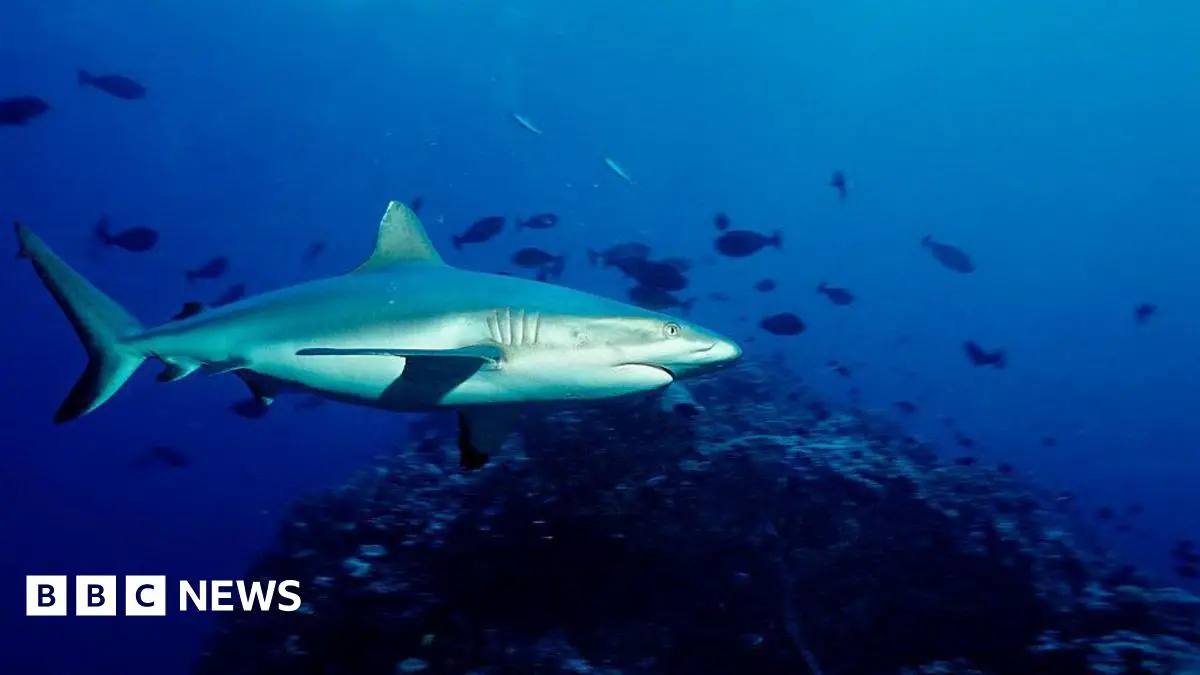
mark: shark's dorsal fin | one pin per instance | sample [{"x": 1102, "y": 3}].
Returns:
[{"x": 402, "y": 239}]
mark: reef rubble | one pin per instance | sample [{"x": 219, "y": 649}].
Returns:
[{"x": 766, "y": 534}]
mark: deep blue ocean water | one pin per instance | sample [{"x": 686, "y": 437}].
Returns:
[{"x": 1055, "y": 141}]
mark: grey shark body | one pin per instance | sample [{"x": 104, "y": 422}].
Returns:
[{"x": 404, "y": 332}]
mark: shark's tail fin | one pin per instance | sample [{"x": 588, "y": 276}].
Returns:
[{"x": 99, "y": 322}]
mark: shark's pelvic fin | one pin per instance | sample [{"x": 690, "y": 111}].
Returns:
[
  {"x": 402, "y": 239},
  {"x": 100, "y": 323},
  {"x": 481, "y": 431}
]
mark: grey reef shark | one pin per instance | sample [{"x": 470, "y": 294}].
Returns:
[{"x": 403, "y": 331}]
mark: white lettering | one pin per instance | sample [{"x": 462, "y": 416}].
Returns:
[
  {"x": 222, "y": 590},
  {"x": 256, "y": 595},
  {"x": 293, "y": 598},
  {"x": 198, "y": 598}
]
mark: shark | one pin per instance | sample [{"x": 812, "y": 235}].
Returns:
[{"x": 404, "y": 331}]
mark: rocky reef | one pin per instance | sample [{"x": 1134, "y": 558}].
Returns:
[{"x": 753, "y": 530}]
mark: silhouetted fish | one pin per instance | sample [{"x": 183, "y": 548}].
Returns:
[
  {"x": 535, "y": 258},
  {"x": 838, "y": 296},
  {"x": 189, "y": 309},
  {"x": 116, "y": 85},
  {"x": 210, "y": 270},
  {"x": 721, "y": 221},
  {"x": 314, "y": 251},
  {"x": 657, "y": 299},
  {"x": 655, "y": 274},
  {"x": 19, "y": 110},
  {"x": 784, "y": 323},
  {"x": 135, "y": 239},
  {"x": 1144, "y": 311},
  {"x": 979, "y": 356},
  {"x": 416, "y": 204},
  {"x": 951, "y": 257},
  {"x": 838, "y": 182},
  {"x": 618, "y": 253},
  {"x": 742, "y": 243},
  {"x": 906, "y": 406},
  {"x": 480, "y": 231},
  {"x": 764, "y": 285}
]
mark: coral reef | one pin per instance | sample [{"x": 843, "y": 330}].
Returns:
[{"x": 767, "y": 534}]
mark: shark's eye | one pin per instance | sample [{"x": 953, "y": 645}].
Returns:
[{"x": 672, "y": 330}]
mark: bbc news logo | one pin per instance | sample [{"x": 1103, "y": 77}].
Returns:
[{"x": 147, "y": 596}]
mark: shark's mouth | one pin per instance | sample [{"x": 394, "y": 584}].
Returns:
[{"x": 654, "y": 366}]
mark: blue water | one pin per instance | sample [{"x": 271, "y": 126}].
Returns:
[{"x": 1055, "y": 141}]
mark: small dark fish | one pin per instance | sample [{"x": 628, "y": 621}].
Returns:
[
  {"x": 742, "y": 243},
  {"x": 1144, "y": 311},
  {"x": 1105, "y": 513},
  {"x": 951, "y": 257},
  {"x": 15, "y": 112},
  {"x": 1049, "y": 441},
  {"x": 965, "y": 461},
  {"x": 839, "y": 368},
  {"x": 963, "y": 440},
  {"x": 162, "y": 454},
  {"x": 656, "y": 274},
  {"x": 682, "y": 264},
  {"x": 719, "y": 296},
  {"x": 416, "y": 204},
  {"x": 135, "y": 239},
  {"x": 189, "y": 309},
  {"x": 906, "y": 406},
  {"x": 250, "y": 408},
  {"x": 721, "y": 221},
  {"x": 314, "y": 251},
  {"x": 541, "y": 221},
  {"x": 979, "y": 356},
  {"x": 618, "y": 254},
  {"x": 235, "y": 293},
  {"x": 480, "y": 231},
  {"x": 1188, "y": 571},
  {"x": 657, "y": 299},
  {"x": 838, "y": 182},
  {"x": 210, "y": 270},
  {"x": 784, "y": 323},
  {"x": 533, "y": 258},
  {"x": 764, "y": 285},
  {"x": 549, "y": 266},
  {"x": 1004, "y": 468},
  {"x": 116, "y": 85},
  {"x": 838, "y": 296}
]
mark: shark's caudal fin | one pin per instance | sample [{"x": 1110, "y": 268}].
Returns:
[
  {"x": 99, "y": 322},
  {"x": 402, "y": 239}
]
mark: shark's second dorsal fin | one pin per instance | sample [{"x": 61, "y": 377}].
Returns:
[{"x": 402, "y": 239}]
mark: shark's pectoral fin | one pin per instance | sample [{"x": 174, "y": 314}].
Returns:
[
  {"x": 402, "y": 239},
  {"x": 481, "y": 432},
  {"x": 263, "y": 392}
]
